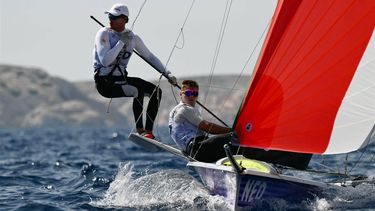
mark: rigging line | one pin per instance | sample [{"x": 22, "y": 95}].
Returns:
[
  {"x": 175, "y": 45},
  {"x": 139, "y": 12},
  {"x": 372, "y": 133},
  {"x": 158, "y": 84},
  {"x": 142, "y": 104},
  {"x": 252, "y": 53},
  {"x": 373, "y": 155},
  {"x": 218, "y": 45},
  {"x": 243, "y": 69},
  {"x": 310, "y": 170},
  {"x": 220, "y": 38},
  {"x": 181, "y": 32},
  {"x": 346, "y": 164},
  {"x": 224, "y": 88},
  {"x": 247, "y": 62},
  {"x": 158, "y": 97},
  {"x": 183, "y": 41},
  {"x": 171, "y": 53},
  {"x": 322, "y": 165},
  {"x": 109, "y": 104},
  {"x": 199, "y": 103}
]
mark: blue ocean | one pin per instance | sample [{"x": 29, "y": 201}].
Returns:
[{"x": 100, "y": 169}]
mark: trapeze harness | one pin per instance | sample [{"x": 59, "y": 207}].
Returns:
[{"x": 112, "y": 86}]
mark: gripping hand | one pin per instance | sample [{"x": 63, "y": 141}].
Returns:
[
  {"x": 172, "y": 79},
  {"x": 125, "y": 37}
]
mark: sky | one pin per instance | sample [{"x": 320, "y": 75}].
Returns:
[{"x": 57, "y": 36}]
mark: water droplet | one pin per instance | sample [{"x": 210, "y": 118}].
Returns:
[{"x": 114, "y": 135}]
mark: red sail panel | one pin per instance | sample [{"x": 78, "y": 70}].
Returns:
[{"x": 310, "y": 55}]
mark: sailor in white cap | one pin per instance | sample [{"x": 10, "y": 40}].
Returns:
[{"x": 114, "y": 46}]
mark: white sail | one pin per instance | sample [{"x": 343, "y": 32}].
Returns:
[{"x": 356, "y": 117}]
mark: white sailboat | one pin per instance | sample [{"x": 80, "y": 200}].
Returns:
[{"x": 310, "y": 94}]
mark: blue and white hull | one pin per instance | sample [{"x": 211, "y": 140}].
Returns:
[
  {"x": 259, "y": 181},
  {"x": 251, "y": 186}
]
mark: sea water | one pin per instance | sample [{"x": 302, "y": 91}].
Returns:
[{"x": 100, "y": 169}]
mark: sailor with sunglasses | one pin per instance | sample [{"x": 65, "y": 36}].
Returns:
[
  {"x": 113, "y": 48},
  {"x": 190, "y": 131}
]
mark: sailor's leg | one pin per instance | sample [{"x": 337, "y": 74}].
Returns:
[
  {"x": 153, "y": 105},
  {"x": 211, "y": 149},
  {"x": 145, "y": 88},
  {"x": 138, "y": 102}
]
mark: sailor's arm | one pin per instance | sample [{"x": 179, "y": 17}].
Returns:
[
  {"x": 150, "y": 57},
  {"x": 146, "y": 53},
  {"x": 107, "y": 55},
  {"x": 213, "y": 128}
]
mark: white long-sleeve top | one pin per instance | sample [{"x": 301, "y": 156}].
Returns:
[
  {"x": 108, "y": 45},
  {"x": 184, "y": 123}
]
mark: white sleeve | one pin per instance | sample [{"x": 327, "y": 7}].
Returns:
[
  {"x": 188, "y": 113},
  {"x": 150, "y": 57},
  {"x": 107, "y": 55}
]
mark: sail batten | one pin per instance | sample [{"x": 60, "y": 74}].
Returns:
[{"x": 298, "y": 98}]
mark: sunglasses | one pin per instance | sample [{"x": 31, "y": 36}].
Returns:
[
  {"x": 189, "y": 93},
  {"x": 113, "y": 17}
]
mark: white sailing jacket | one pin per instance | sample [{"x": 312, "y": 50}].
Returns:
[{"x": 108, "y": 46}]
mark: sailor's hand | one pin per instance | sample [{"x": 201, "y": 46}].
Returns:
[
  {"x": 172, "y": 79},
  {"x": 125, "y": 37}
]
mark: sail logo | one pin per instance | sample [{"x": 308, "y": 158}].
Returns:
[{"x": 253, "y": 190}]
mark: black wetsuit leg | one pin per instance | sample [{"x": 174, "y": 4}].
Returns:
[
  {"x": 145, "y": 88},
  {"x": 211, "y": 149}
]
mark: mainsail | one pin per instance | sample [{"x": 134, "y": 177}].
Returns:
[{"x": 298, "y": 99}]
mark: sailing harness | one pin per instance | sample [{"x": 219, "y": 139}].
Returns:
[
  {"x": 110, "y": 77},
  {"x": 111, "y": 86}
]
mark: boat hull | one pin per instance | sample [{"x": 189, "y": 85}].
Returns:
[{"x": 251, "y": 187}]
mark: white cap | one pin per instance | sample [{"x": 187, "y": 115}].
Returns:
[{"x": 118, "y": 9}]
